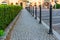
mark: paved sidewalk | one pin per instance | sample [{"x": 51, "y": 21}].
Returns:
[{"x": 27, "y": 28}]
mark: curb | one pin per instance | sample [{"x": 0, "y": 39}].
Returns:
[{"x": 56, "y": 34}]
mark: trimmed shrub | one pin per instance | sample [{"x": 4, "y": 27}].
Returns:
[
  {"x": 57, "y": 6},
  {"x": 1, "y": 32},
  {"x": 7, "y": 14}
]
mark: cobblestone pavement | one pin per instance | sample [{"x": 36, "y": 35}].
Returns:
[{"x": 27, "y": 28}]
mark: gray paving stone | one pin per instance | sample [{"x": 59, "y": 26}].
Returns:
[{"x": 27, "y": 28}]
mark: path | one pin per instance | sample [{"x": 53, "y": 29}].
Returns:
[{"x": 27, "y": 28}]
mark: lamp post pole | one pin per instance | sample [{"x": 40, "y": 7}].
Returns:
[
  {"x": 35, "y": 11},
  {"x": 50, "y": 29},
  {"x": 40, "y": 13}
]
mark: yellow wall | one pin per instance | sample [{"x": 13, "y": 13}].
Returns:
[
  {"x": 24, "y": 3},
  {"x": 53, "y": 3},
  {"x": 58, "y": 1},
  {"x": 14, "y": 2},
  {"x": 1, "y": 1}
]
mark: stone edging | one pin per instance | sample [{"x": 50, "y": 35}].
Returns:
[{"x": 10, "y": 26}]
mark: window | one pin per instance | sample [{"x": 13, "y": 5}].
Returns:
[
  {"x": 11, "y": 3},
  {"x": 52, "y": 0},
  {"x": 16, "y": 3}
]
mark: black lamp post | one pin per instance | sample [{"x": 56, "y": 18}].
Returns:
[
  {"x": 40, "y": 14},
  {"x": 50, "y": 29},
  {"x": 29, "y": 8},
  {"x": 35, "y": 11}
]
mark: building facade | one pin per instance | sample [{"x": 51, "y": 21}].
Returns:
[
  {"x": 24, "y": 2},
  {"x": 44, "y": 3},
  {"x": 14, "y": 2}
]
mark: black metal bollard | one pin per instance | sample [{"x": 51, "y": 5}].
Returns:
[
  {"x": 40, "y": 13},
  {"x": 35, "y": 12},
  {"x": 50, "y": 29},
  {"x": 29, "y": 9}
]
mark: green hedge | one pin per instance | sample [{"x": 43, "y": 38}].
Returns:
[
  {"x": 2, "y": 33},
  {"x": 7, "y": 14},
  {"x": 57, "y": 6}
]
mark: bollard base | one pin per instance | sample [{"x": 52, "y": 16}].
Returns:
[
  {"x": 50, "y": 32},
  {"x": 39, "y": 22},
  {"x": 35, "y": 17}
]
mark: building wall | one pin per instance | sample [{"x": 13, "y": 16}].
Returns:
[
  {"x": 58, "y": 2},
  {"x": 14, "y": 2},
  {"x": 1, "y": 1},
  {"x": 32, "y": 1}
]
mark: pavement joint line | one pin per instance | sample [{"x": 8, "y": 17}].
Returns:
[
  {"x": 53, "y": 16},
  {"x": 56, "y": 24},
  {"x": 54, "y": 32},
  {"x": 56, "y": 16}
]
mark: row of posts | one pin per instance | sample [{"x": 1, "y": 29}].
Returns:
[{"x": 40, "y": 16}]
